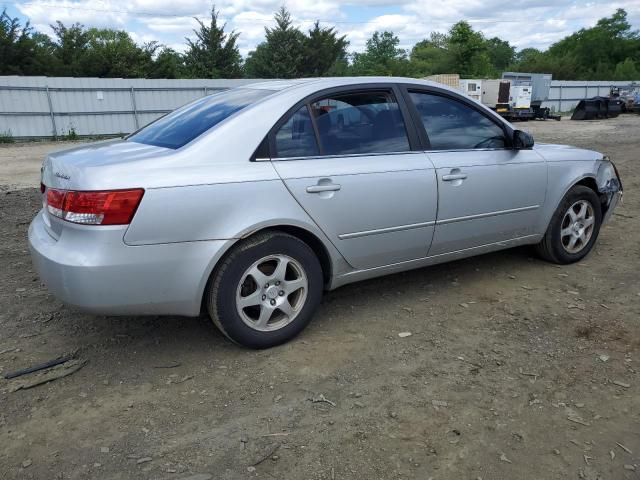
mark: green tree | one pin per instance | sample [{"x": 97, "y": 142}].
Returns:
[
  {"x": 382, "y": 56},
  {"x": 462, "y": 50},
  {"x": 23, "y": 51},
  {"x": 113, "y": 53},
  {"x": 71, "y": 45},
  {"x": 168, "y": 64},
  {"x": 214, "y": 53},
  {"x": 590, "y": 53},
  {"x": 431, "y": 56},
  {"x": 611, "y": 40},
  {"x": 282, "y": 54},
  {"x": 533, "y": 60},
  {"x": 469, "y": 51},
  {"x": 627, "y": 70},
  {"x": 325, "y": 53},
  {"x": 501, "y": 54},
  {"x": 528, "y": 55},
  {"x": 44, "y": 60}
]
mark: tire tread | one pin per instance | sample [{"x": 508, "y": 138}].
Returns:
[
  {"x": 547, "y": 248},
  {"x": 213, "y": 295}
]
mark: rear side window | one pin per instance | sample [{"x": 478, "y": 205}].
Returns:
[
  {"x": 296, "y": 137},
  {"x": 360, "y": 123},
  {"x": 179, "y": 127},
  {"x": 452, "y": 125}
]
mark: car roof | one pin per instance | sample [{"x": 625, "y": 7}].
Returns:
[
  {"x": 330, "y": 82},
  {"x": 277, "y": 85}
]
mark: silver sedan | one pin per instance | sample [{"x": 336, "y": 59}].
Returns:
[{"x": 249, "y": 203}]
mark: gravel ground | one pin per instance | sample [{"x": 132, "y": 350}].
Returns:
[
  {"x": 20, "y": 162},
  {"x": 514, "y": 369}
]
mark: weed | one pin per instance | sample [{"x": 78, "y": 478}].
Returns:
[
  {"x": 71, "y": 135},
  {"x": 6, "y": 137}
]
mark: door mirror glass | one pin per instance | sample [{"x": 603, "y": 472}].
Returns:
[{"x": 522, "y": 140}]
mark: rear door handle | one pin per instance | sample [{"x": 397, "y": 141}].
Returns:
[
  {"x": 454, "y": 176},
  {"x": 333, "y": 187}
]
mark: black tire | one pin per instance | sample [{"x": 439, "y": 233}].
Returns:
[
  {"x": 551, "y": 247},
  {"x": 220, "y": 297}
]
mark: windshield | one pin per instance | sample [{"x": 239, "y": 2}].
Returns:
[{"x": 186, "y": 123}]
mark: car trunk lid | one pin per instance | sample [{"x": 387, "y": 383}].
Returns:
[
  {"x": 79, "y": 169},
  {"x": 67, "y": 169}
]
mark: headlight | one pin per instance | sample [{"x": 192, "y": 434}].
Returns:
[
  {"x": 607, "y": 178},
  {"x": 605, "y": 173}
]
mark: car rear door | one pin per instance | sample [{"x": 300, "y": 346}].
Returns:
[
  {"x": 488, "y": 192},
  {"x": 346, "y": 156}
]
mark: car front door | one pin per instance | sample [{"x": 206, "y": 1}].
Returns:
[
  {"x": 347, "y": 158},
  {"x": 488, "y": 192}
]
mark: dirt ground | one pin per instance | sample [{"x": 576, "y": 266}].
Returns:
[
  {"x": 20, "y": 162},
  {"x": 514, "y": 369}
]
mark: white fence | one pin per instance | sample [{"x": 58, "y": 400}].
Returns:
[
  {"x": 564, "y": 95},
  {"x": 32, "y": 107},
  {"x": 40, "y": 107}
]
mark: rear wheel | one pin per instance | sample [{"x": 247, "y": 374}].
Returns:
[
  {"x": 266, "y": 290},
  {"x": 574, "y": 227}
]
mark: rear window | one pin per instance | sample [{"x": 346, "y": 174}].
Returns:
[{"x": 186, "y": 123}]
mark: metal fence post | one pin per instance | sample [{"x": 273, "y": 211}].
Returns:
[
  {"x": 54, "y": 129},
  {"x": 206, "y": 91},
  {"x": 560, "y": 99},
  {"x": 135, "y": 108}
]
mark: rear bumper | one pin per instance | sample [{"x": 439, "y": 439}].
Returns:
[{"x": 93, "y": 269}]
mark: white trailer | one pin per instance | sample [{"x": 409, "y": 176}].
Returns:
[
  {"x": 495, "y": 93},
  {"x": 520, "y": 96},
  {"x": 472, "y": 88}
]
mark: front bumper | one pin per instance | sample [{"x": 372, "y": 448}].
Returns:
[
  {"x": 93, "y": 269},
  {"x": 616, "y": 197}
]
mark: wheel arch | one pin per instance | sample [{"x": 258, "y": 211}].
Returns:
[
  {"x": 306, "y": 235},
  {"x": 587, "y": 181},
  {"x": 547, "y": 248},
  {"x": 592, "y": 183},
  {"x": 558, "y": 190}
]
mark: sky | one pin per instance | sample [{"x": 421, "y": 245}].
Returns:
[{"x": 524, "y": 23}]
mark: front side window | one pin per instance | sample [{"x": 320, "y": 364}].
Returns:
[
  {"x": 452, "y": 125},
  {"x": 296, "y": 137},
  {"x": 179, "y": 127},
  {"x": 360, "y": 123}
]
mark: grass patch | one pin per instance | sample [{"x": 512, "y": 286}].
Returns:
[
  {"x": 6, "y": 137},
  {"x": 71, "y": 135}
]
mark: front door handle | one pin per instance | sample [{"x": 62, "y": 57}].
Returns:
[
  {"x": 454, "y": 176},
  {"x": 332, "y": 187}
]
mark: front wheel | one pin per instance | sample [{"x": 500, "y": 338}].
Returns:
[
  {"x": 266, "y": 290},
  {"x": 574, "y": 227}
]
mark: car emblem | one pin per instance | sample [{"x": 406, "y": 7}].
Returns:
[{"x": 63, "y": 176}]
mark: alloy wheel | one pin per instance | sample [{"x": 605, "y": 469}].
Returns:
[
  {"x": 577, "y": 226},
  {"x": 271, "y": 293}
]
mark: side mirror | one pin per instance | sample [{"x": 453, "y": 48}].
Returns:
[{"x": 522, "y": 140}]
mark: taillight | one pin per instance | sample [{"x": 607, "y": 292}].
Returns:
[
  {"x": 55, "y": 199},
  {"x": 113, "y": 207}
]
